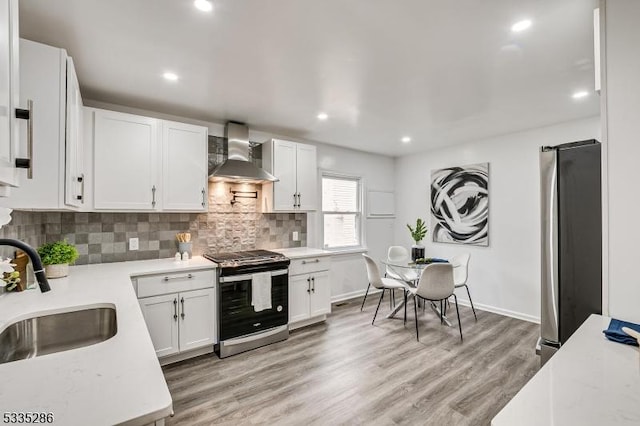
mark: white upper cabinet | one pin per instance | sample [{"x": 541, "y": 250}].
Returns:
[
  {"x": 126, "y": 160},
  {"x": 284, "y": 168},
  {"x": 306, "y": 177},
  {"x": 48, "y": 81},
  {"x": 184, "y": 179},
  {"x": 75, "y": 180},
  {"x": 146, "y": 164},
  {"x": 295, "y": 165},
  {"x": 9, "y": 91}
]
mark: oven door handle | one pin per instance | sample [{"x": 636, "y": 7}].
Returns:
[
  {"x": 255, "y": 336},
  {"x": 247, "y": 277}
]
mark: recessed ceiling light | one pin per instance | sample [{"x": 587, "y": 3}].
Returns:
[
  {"x": 170, "y": 76},
  {"x": 203, "y": 5},
  {"x": 581, "y": 94},
  {"x": 521, "y": 26},
  {"x": 406, "y": 139},
  {"x": 323, "y": 116}
]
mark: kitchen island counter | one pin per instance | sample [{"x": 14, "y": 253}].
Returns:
[
  {"x": 589, "y": 381},
  {"x": 111, "y": 382}
]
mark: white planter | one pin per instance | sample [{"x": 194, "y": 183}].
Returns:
[{"x": 57, "y": 271}]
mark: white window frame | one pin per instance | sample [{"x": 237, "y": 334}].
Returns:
[{"x": 359, "y": 213}]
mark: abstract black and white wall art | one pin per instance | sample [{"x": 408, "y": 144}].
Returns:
[{"x": 460, "y": 205}]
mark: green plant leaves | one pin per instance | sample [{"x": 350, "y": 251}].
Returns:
[
  {"x": 58, "y": 253},
  {"x": 419, "y": 232}
]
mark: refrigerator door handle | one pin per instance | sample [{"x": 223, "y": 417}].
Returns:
[{"x": 549, "y": 204}]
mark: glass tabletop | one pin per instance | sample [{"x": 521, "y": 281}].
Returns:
[{"x": 408, "y": 270}]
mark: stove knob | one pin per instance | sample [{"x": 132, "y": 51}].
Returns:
[{"x": 279, "y": 308}]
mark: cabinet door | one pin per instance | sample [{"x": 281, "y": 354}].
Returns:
[
  {"x": 125, "y": 162},
  {"x": 197, "y": 319},
  {"x": 74, "y": 174},
  {"x": 320, "y": 302},
  {"x": 307, "y": 176},
  {"x": 185, "y": 174},
  {"x": 161, "y": 315},
  {"x": 9, "y": 90},
  {"x": 284, "y": 168},
  {"x": 42, "y": 73},
  {"x": 299, "y": 289}
]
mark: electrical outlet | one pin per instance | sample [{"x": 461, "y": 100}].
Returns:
[
  {"x": 295, "y": 236},
  {"x": 133, "y": 244}
]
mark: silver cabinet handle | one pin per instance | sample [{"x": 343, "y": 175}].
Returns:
[
  {"x": 304, "y": 262},
  {"x": 204, "y": 203},
  {"x": 299, "y": 197},
  {"x": 294, "y": 200},
  {"x": 313, "y": 288},
  {"x": 182, "y": 303},
  {"x": 308, "y": 285},
  {"x": 27, "y": 163},
  {"x": 180, "y": 277},
  {"x": 80, "y": 179},
  {"x": 153, "y": 195},
  {"x": 175, "y": 309}
]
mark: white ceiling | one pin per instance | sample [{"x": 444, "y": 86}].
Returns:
[{"x": 439, "y": 71}]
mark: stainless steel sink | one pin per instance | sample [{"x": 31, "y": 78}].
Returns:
[{"x": 48, "y": 334}]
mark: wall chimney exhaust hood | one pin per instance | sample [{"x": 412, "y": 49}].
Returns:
[{"x": 238, "y": 167}]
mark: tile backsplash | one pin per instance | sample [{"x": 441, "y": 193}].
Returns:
[{"x": 103, "y": 237}]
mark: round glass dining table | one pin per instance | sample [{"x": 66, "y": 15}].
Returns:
[{"x": 409, "y": 272}]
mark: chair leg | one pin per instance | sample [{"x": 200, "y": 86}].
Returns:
[
  {"x": 415, "y": 312},
  {"x": 379, "y": 301},
  {"x": 405, "y": 306},
  {"x": 471, "y": 302},
  {"x": 441, "y": 312},
  {"x": 455, "y": 298},
  {"x": 365, "y": 296}
]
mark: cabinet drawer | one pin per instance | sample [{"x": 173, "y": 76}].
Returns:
[
  {"x": 175, "y": 282},
  {"x": 309, "y": 264}
]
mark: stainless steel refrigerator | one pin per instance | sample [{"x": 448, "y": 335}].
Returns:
[{"x": 571, "y": 203}]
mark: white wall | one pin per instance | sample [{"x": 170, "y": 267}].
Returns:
[
  {"x": 348, "y": 273},
  {"x": 621, "y": 111},
  {"x": 504, "y": 277}
]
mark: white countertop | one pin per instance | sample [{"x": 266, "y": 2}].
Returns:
[
  {"x": 115, "y": 381},
  {"x": 302, "y": 252},
  {"x": 589, "y": 381}
]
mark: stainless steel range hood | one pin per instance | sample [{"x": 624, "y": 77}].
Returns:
[{"x": 238, "y": 167}]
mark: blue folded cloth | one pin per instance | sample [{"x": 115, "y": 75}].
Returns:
[
  {"x": 615, "y": 333},
  {"x": 436, "y": 260}
]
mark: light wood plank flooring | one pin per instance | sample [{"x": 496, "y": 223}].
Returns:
[{"x": 346, "y": 371}]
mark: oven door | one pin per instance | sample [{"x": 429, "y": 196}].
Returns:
[{"x": 237, "y": 316}]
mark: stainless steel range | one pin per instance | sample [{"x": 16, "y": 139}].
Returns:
[{"x": 244, "y": 323}]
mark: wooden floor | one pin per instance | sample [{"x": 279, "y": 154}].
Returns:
[{"x": 346, "y": 371}]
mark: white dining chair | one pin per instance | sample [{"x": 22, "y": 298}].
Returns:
[
  {"x": 461, "y": 273},
  {"x": 397, "y": 254},
  {"x": 435, "y": 285},
  {"x": 377, "y": 281}
]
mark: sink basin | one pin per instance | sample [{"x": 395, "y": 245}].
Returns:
[{"x": 47, "y": 334}]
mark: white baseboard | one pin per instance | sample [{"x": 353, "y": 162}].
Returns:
[
  {"x": 463, "y": 302},
  {"x": 352, "y": 295},
  {"x": 501, "y": 311}
]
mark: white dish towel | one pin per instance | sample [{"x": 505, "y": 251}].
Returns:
[{"x": 261, "y": 291}]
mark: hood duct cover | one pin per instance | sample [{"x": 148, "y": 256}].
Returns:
[{"x": 238, "y": 167}]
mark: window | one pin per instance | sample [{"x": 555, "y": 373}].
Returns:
[{"x": 341, "y": 211}]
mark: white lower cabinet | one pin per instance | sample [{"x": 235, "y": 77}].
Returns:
[
  {"x": 196, "y": 319},
  {"x": 309, "y": 293},
  {"x": 161, "y": 315},
  {"x": 180, "y": 323}
]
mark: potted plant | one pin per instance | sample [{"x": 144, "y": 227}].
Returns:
[
  {"x": 56, "y": 258},
  {"x": 418, "y": 233}
]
